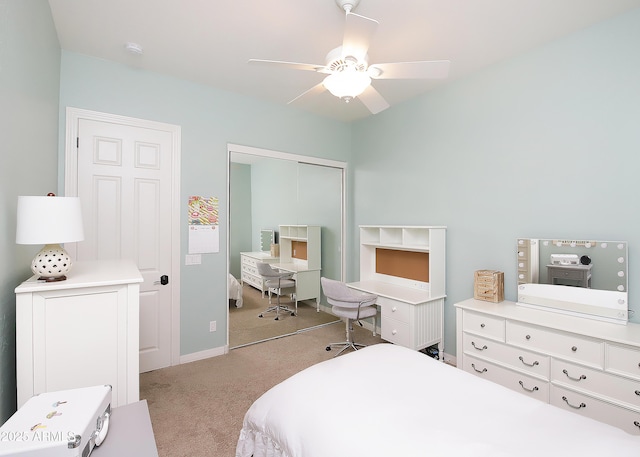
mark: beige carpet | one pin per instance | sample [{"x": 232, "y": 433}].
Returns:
[
  {"x": 197, "y": 408},
  {"x": 245, "y": 327}
]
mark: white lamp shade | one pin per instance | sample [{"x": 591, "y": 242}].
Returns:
[
  {"x": 347, "y": 83},
  {"x": 49, "y": 220}
]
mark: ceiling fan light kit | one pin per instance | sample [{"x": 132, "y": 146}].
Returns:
[
  {"x": 348, "y": 67},
  {"x": 347, "y": 84}
]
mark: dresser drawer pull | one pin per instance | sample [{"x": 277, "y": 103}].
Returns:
[
  {"x": 528, "y": 337},
  {"x": 574, "y": 348},
  {"x": 473, "y": 343},
  {"x": 574, "y": 379},
  {"x": 581, "y": 405},
  {"x": 535, "y": 388},
  {"x": 482, "y": 325},
  {"x": 528, "y": 364},
  {"x": 473, "y": 365},
  {"x": 638, "y": 392},
  {"x": 636, "y": 423}
]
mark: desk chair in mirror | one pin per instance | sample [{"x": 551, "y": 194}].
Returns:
[
  {"x": 279, "y": 283},
  {"x": 350, "y": 305}
]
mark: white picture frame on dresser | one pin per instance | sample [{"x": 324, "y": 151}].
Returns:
[{"x": 582, "y": 365}]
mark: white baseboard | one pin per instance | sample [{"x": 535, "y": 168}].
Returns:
[{"x": 195, "y": 356}]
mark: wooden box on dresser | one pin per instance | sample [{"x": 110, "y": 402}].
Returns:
[
  {"x": 80, "y": 332},
  {"x": 582, "y": 365}
]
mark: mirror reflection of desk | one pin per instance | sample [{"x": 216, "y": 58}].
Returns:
[
  {"x": 570, "y": 275},
  {"x": 307, "y": 281}
]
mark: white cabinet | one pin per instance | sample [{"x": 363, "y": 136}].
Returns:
[
  {"x": 411, "y": 304},
  {"x": 582, "y": 365},
  {"x": 80, "y": 332},
  {"x": 249, "y": 264}
]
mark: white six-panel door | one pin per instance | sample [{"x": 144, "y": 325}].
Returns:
[{"x": 124, "y": 180}]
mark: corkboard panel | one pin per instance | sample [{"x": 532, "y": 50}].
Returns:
[
  {"x": 299, "y": 250},
  {"x": 404, "y": 264}
]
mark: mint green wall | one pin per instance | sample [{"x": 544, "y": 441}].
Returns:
[
  {"x": 240, "y": 228},
  {"x": 544, "y": 145},
  {"x": 29, "y": 80},
  {"x": 209, "y": 119}
]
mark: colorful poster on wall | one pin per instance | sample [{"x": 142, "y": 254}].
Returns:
[{"x": 204, "y": 227}]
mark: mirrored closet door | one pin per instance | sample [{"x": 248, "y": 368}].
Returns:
[{"x": 268, "y": 189}]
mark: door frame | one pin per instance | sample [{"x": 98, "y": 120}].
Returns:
[{"x": 73, "y": 115}]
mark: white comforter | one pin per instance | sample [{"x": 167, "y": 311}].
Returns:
[
  {"x": 235, "y": 290},
  {"x": 389, "y": 401}
]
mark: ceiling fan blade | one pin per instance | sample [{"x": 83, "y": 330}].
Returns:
[
  {"x": 357, "y": 35},
  {"x": 315, "y": 90},
  {"x": 373, "y": 100},
  {"x": 293, "y": 65},
  {"x": 430, "y": 69}
]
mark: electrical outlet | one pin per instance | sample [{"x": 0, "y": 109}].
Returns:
[{"x": 212, "y": 326}]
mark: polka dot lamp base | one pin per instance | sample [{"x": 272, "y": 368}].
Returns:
[{"x": 52, "y": 263}]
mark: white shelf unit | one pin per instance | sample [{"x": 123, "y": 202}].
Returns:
[
  {"x": 309, "y": 234},
  {"x": 411, "y": 310},
  {"x": 430, "y": 239}
]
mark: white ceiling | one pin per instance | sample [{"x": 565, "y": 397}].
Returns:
[{"x": 210, "y": 41}]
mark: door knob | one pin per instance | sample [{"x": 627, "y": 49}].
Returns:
[{"x": 164, "y": 280}]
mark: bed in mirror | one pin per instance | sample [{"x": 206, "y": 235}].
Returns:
[{"x": 582, "y": 277}]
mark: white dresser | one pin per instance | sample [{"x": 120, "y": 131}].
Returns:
[
  {"x": 80, "y": 332},
  {"x": 581, "y": 365},
  {"x": 249, "y": 274}
]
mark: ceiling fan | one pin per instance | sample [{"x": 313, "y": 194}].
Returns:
[{"x": 348, "y": 69}]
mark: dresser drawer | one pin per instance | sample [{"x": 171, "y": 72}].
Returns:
[
  {"x": 484, "y": 325},
  {"x": 396, "y": 332},
  {"x": 513, "y": 380},
  {"x": 249, "y": 269},
  {"x": 623, "y": 360},
  {"x": 392, "y": 309},
  {"x": 564, "y": 345},
  {"x": 517, "y": 358},
  {"x": 626, "y": 419},
  {"x": 596, "y": 381},
  {"x": 250, "y": 261}
]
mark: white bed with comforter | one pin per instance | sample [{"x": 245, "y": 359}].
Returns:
[
  {"x": 389, "y": 401},
  {"x": 235, "y": 290}
]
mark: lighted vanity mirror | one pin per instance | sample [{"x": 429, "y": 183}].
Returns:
[
  {"x": 267, "y": 238},
  {"x": 583, "y": 277}
]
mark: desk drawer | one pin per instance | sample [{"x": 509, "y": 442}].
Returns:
[
  {"x": 623, "y": 360},
  {"x": 396, "y": 332},
  {"x": 484, "y": 325},
  {"x": 564, "y": 345},
  {"x": 392, "y": 309}
]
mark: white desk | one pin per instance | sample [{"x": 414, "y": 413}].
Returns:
[
  {"x": 410, "y": 317},
  {"x": 307, "y": 281}
]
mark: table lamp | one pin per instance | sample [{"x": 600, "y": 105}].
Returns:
[{"x": 49, "y": 220}]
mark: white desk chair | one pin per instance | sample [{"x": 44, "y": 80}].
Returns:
[
  {"x": 280, "y": 283},
  {"x": 351, "y": 306}
]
